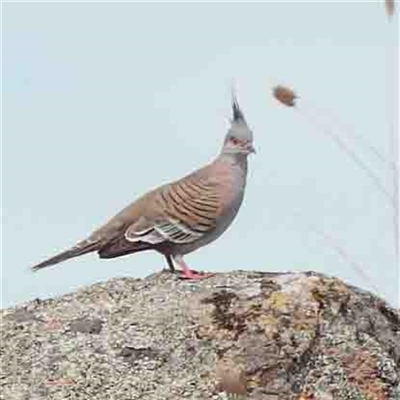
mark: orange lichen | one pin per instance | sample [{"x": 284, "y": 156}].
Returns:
[
  {"x": 362, "y": 371},
  {"x": 307, "y": 396}
]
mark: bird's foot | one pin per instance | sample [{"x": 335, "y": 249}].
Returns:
[{"x": 192, "y": 275}]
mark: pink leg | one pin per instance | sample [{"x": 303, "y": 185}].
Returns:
[{"x": 189, "y": 274}]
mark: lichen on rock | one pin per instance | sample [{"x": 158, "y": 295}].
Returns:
[{"x": 261, "y": 336}]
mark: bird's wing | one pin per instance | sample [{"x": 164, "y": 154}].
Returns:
[{"x": 181, "y": 212}]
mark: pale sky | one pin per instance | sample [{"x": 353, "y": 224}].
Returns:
[{"x": 104, "y": 101}]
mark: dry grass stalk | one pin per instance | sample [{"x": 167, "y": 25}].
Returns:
[
  {"x": 328, "y": 131},
  {"x": 285, "y": 95},
  {"x": 349, "y": 131},
  {"x": 389, "y": 5}
]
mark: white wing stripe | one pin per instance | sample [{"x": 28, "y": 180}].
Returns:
[
  {"x": 176, "y": 232},
  {"x": 169, "y": 230}
]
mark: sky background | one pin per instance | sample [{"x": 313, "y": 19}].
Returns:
[{"x": 104, "y": 101}]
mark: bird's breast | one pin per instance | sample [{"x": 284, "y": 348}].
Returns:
[
  {"x": 233, "y": 183},
  {"x": 229, "y": 181}
]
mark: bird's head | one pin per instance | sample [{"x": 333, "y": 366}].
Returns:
[{"x": 239, "y": 138}]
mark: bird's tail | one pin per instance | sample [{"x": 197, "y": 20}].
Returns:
[{"x": 78, "y": 250}]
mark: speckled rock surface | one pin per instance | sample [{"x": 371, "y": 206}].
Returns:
[{"x": 265, "y": 336}]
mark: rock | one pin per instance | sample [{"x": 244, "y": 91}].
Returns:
[
  {"x": 86, "y": 325},
  {"x": 261, "y": 336}
]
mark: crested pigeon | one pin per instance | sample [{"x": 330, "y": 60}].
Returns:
[{"x": 180, "y": 217}]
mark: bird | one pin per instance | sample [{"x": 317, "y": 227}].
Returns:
[{"x": 179, "y": 217}]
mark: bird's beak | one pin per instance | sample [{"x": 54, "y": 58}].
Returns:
[{"x": 251, "y": 149}]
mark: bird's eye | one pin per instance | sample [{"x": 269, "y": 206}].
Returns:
[{"x": 234, "y": 140}]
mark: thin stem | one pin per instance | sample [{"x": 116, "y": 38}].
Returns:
[
  {"x": 343, "y": 253},
  {"x": 349, "y": 131},
  {"x": 339, "y": 249},
  {"x": 342, "y": 145},
  {"x": 391, "y": 85}
]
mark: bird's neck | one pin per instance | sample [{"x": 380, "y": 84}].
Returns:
[{"x": 235, "y": 159}]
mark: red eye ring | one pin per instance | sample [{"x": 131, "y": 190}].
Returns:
[{"x": 234, "y": 140}]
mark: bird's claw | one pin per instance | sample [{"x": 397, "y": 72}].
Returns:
[{"x": 191, "y": 275}]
